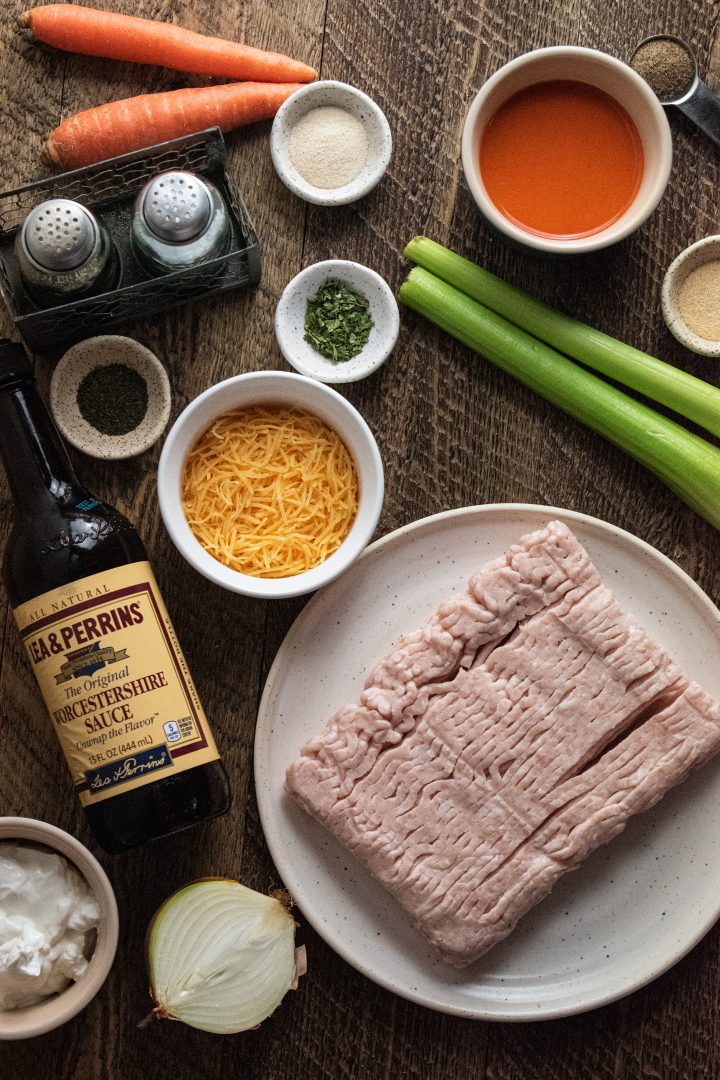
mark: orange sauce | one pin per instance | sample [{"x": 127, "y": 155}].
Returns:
[{"x": 561, "y": 159}]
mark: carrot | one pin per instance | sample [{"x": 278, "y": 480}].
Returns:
[
  {"x": 136, "y": 122},
  {"x": 145, "y": 41}
]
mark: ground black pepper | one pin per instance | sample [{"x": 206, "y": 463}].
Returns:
[
  {"x": 113, "y": 398},
  {"x": 667, "y": 66}
]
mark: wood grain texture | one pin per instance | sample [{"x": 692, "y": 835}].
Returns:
[{"x": 452, "y": 431}]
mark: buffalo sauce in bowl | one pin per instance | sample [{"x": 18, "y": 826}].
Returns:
[{"x": 562, "y": 159}]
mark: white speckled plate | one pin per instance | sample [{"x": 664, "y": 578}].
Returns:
[{"x": 631, "y": 911}]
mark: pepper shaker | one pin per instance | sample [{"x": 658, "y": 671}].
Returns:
[
  {"x": 179, "y": 220},
  {"x": 64, "y": 252}
]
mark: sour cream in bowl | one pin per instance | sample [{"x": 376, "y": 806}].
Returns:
[{"x": 58, "y": 927}]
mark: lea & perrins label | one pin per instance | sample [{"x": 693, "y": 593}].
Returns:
[{"x": 115, "y": 682}]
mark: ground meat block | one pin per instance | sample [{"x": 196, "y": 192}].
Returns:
[{"x": 495, "y": 748}]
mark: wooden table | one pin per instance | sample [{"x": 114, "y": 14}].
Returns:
[{"x": 452, "y": 432}]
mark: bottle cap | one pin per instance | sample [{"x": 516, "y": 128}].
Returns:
[
  {"x": 176, "y": 206},
  {"x": 14, "y": 363},
  {"x": 59, "y": 234}
]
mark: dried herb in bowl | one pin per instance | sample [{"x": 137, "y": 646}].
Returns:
[
  {"x": 113, "y": 398},
  {"x": 338, "y": 322}
]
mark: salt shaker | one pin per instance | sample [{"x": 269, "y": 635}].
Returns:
[
  {"x": 64, "y": 253},
  {"x": 179, "y": 220}
]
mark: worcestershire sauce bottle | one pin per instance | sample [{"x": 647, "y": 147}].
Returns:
[{"x": 99, "y": 639}]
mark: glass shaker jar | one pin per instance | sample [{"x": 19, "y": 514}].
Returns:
[
  {"x": 179, "y": 221},
  {"x": 65, "y": 253}
]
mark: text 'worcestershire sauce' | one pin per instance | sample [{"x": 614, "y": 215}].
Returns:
[{"x": 99, "y": 639}]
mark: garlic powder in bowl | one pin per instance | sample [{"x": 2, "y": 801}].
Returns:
[
  {"x": 330, "y": 143},
  {"x": 328, "y": 146}
]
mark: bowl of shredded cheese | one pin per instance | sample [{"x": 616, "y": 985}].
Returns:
[{"x": 270, "y": 484}]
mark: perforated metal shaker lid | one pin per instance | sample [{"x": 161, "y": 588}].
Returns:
[
  {"x": 176, "y": 206},
  {"x": 59, "y": 234}
]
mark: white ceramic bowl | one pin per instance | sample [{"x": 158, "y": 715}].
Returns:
[
  {"x": 290, "y": 321},
  {"x": 102, "y": 351},
  {"x": 270, "y": 388},
  {"x": 57, "y": 1010},
  {"x": 599, "y": 70},
  {"x": 342, "y": 96},
  {"x": 692, "y": 258}
]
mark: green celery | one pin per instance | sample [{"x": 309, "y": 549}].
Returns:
[
  {"x": 692, "y": 398},
  {"x": 689, "y": 465}
]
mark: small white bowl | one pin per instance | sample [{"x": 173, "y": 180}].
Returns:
[
  {"x": 290, "y": 321},
  {"x": 270, "y": 388},
  {"x": 606, "y": 73},
  {"x": 102, "y": 351},
  {"x": 342, "y": 96},
  {"x": 54, "y": 1011},
  {"x": 693, "y": 257}
]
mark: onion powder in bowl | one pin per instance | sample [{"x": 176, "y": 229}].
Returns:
[{"x": 328, "y": 146}]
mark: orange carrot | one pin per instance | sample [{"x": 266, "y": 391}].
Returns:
[
  {"x": 136, "y": 122},
  {"x": 144, "y": 41}
]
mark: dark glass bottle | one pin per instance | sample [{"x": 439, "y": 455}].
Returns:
[{"x": 133, "y": 787}]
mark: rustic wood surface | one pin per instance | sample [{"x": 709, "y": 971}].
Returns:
[{"x": 452, "y": 432}]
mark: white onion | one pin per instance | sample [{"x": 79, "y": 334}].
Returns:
[{"x": 221, "y": 957}]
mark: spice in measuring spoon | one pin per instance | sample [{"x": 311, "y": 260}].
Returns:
[
  {"x": 669, "y": 66},
  {"x": 666, "y": 65},
  {"x": 338, "y": 322},
  {"x": 113, "y": 398}
]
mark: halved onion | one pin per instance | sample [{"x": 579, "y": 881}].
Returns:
[{"x": 221, "y": 957}]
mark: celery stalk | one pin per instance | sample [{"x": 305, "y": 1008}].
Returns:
[
  {"x": 689, "y": 465},
  {"x": 692, "y": 398}
]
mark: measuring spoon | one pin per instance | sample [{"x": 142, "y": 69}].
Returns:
[{"x": 698, "y": 102}]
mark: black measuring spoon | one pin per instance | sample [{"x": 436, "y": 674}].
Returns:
[{"x": 696, "y": 100}]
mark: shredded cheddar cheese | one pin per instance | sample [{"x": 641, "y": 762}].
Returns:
[{"x": 270, "y": 492}]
